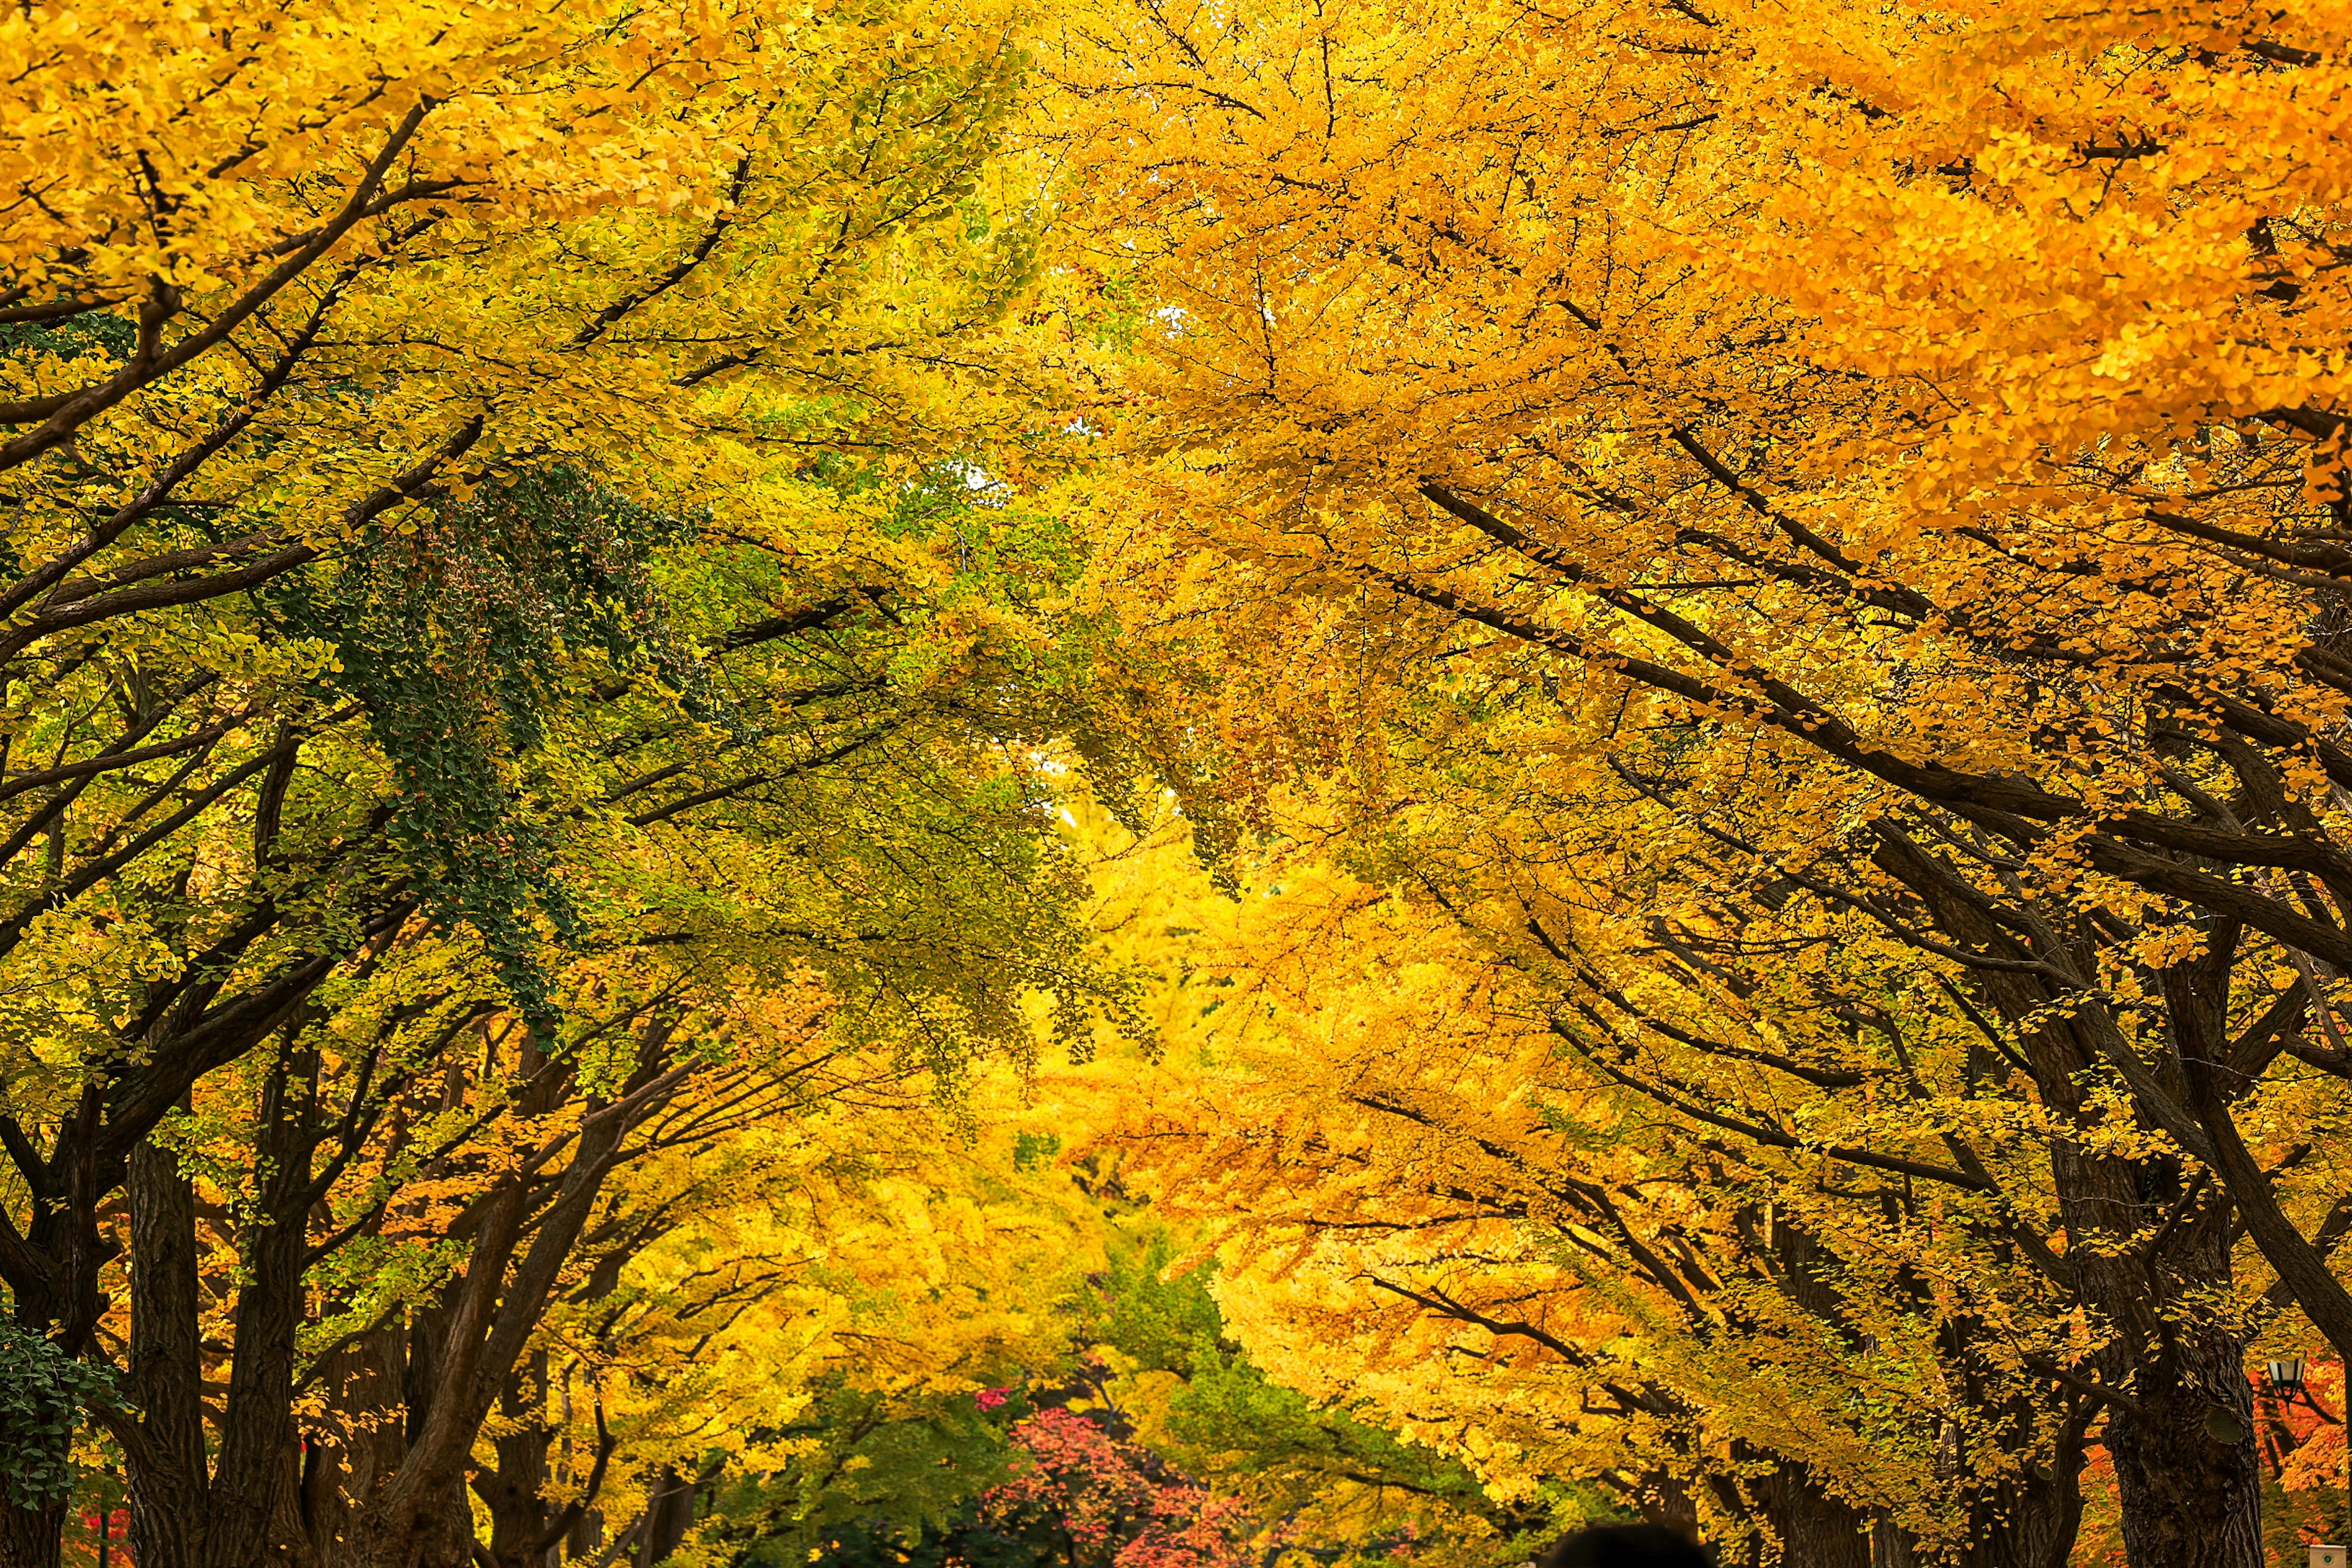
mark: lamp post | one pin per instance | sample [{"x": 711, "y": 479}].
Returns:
[{"x": 2287, "y": 1384}]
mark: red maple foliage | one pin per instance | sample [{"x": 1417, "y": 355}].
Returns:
[{"x": 1102, "y": 1502}]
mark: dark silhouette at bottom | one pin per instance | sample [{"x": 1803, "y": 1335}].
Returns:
[{"x": 1625, "y": 1546}]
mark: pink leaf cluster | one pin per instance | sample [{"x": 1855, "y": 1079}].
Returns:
[{"x": 1115, "y": 1513}]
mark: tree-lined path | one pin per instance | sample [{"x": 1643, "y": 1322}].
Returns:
[{"x": 1164, "y": 785}]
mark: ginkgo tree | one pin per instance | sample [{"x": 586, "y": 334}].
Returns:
[
  {"x": 817, "y": 1279},
  {"x": 1662, "y": 1261},
  {"x": 410, "y": 1165},
  {"x": 522, "y": 571},
  {"x": 1142, "y": 1428},
  {"x": 1898, "y": 447}
]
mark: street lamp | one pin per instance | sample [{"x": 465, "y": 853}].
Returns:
[{"x": 2286, "y": 1382}]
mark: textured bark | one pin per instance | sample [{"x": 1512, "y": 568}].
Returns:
[
  {"x": 378, "y": 1478},
  {"x": 241, "y": 1509},
  {"x": 31, "y": 1537},
  {"x": 1814, "y": 1529},
  {"x": 670, "y": 1515},
  {"x": 103, "y": 1146},
  {"x": 2027, "y": 1523},
  {"x": 359, "y": 1444},
  {"x": 466, "y": 1350},
  {"x": 167, "y": 1479},
  {"x": 586, "y": 1536},
  {"x": 1666, "y": 1500},
  {"x": 511, "y": 1488},
  {"x": 2191, "y": 1499},
  {"x": 2030, "y": 1522},
  {"x": 253, "y": 1513},
  {"x": 2188, "y": 1488}
]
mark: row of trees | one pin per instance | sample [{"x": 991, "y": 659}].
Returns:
[
  {"x": 525, "y": 650},
  {"x": 1811, "y": 548},
  {"x": 540, "y": 691}
]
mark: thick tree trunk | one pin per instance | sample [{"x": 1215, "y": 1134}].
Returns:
[
  {"x": 380, "y": 1528},
  {"x": 438, "y": 1534},
  {"x": 1890, "y": 1547},
  {"x": 167, "y": 1481},
  {"x": 1814, "y": 1529},
  {"x": 252, "y": 1512},
  {"x": 513, "y": 1491},
  {"x": 670, "y": 1514},
  {"x": 464, "y": 1351},
  {"x": 2031, "y": 1523},
  {"x": 2188, "y": 1474},
  {"x": 371, "y": 1385},
  {"x": 2187, "y": 1478},
  {"x": 357, "y": 1443},
  {"x": 2185, "y": 1469},
  {"x": 2145, "y": 1250},
  {"x": 2030, "y": 1520},
  {"x": 32, "y": 1537},
  {"x": 586, "y": 1536},
  {"x": 1666, "y": 1500}
]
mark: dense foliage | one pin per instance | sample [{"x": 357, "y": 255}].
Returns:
[
  {"x": 516, "y": 708},
  {"x": 1809, "y": 542},
  {"x": 1154, "y": 784}
]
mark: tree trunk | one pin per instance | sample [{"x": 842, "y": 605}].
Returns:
[
  {"x": 2180, "y": 1428},
  {"x": 438, "y": 1534},
  {"x": 2028, "y": 1520},
  {"x": 480, "y": 1331},
  {"x": 358, "y": 1442},
  {"x": 32, "y": 1537},
  {"x": 2187, "y": 1478},
  {"x": 406, "y": 1534},
  {"x": 2186, "y": 1470},
  {"x": 670, "y": 1512},
  {"x": 2031, "y": 1522},
  {"x": 1890, "y": 1547},
  {"x": 1814, "y": 1529},
  {"x": 513, "y": 1491},
  {"x": 586, "y": 1537},
  {"x": 167, "y": 1479},
  {"x": 2027, "y": 1524},
  {"x": 252, "y": 1514},
  {"x": 1664, "y": 1499}
]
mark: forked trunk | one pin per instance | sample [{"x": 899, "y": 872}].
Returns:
[
  {"x": 2147, "y": 1248},
  {"x": 442, "y": 1536}
]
